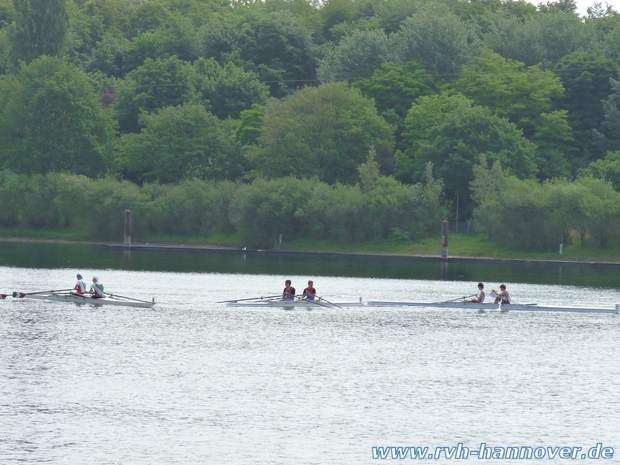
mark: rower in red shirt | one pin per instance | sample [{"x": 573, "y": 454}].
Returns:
[
  {"x": 310, "y": 291},
  {"x": 289, "y": 291}
]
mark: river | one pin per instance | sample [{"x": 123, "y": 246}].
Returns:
[{"x": 195, "y": 382}]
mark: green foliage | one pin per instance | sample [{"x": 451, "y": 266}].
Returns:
[
  {"x": 229, "y": 89},
  {"x": 191, "y": 208},
  {"x": 528, "y": 97},
  {"x": 324, "y": 131},
  {"x": 179, "y": 143},
  {"x": 607, "y": 168},
  {"x": 11, "y": 195},
  {"x": 107, "y": 202},
  {"x": 51, "y": 120},
  {"x": 435, "y": 37},
  {"x": 40, "y": 28},
  {"x": 155, "y": 85},
  {"x": 540, "y": 38},
  {"x": 533, "y": 216},
  {"x": 511, "y": 89},
  {"x": 263, "y": 210},
  {"x": 251, "y": 124},
  {"x": 394, "y": 88},
  {"x": 586, "y": 76},
  {"x": 356, "y": 56},
  {"x": 274, "y": 44},
  {"x": 449, "y": 132},
  {"x": 607, "y": 137}
]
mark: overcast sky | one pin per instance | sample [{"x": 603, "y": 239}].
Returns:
[{"x": 582, "y": 5}]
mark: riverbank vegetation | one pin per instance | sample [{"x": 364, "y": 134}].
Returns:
[{"x": 345, "y": 121}]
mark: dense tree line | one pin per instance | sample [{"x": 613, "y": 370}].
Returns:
[
  {"x": 377, "y": 207},
  {"x": 138, "y": 95}
]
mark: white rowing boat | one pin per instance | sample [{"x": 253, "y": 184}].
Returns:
[
  {"x": 290, "y": 304},
  {"x": 109, "y": 299},
  {"x": 492, "y": 306}
]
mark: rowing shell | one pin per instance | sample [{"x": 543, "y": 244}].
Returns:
[
  {"x": 289, "y": 304},
  {"x": 107, "y": 300},
  {"x": 492, "y": 306}
]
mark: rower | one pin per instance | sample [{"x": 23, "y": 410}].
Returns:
[
  {"x": 289, "y": 291},
  {"x": 80, "y": 287},
  {"x": 310, "y": 291},
  {"x": 503, "y": 296},
  {"x": 480, "y": 296},
  {"x": 96, "y": 288}
]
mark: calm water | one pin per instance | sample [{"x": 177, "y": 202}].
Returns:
[{"x": 195, "y": 382}]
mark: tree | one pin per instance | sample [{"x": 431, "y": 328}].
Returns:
[
  {"x": 586, "y": 79},
  {"x": 40, "y": 29},
  {"x": 437, "y": 38},
  {"x": 275, "y": 44},
  {"x": 178, "y": 143},
  {"x": 607, "y": 168},
  {"x": 394, "y": 88},
  {"x": 527, "y": 96},
  {"x": 601, "y": 207},
  {"x": 251, "y": 124},
  {"x": 607, "y": 137},
  {"x": 154, "y": 85},
  {"x": 356, "y": 56},
  {"x": 325, "y": 132},
  {"x": 51, "y": 120},
  {"x": 451, "y": 133},
  {"x": 541, "y": 38},
  {"x": 229, "y": 88}
]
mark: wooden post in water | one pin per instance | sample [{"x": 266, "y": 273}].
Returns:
[
  {"x": 127, "y": 242},
  {"x": 444, "y": 240}
]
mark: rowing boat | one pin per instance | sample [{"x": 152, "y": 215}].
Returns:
[
  {"x": 109, "y": 299},
  {"x": 492, "y": 306},
  {"x": 290, "y": 304}
]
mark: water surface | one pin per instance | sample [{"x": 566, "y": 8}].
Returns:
[{"x": 195, "y": 382}]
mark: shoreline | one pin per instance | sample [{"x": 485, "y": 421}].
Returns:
[{"x": 213, "y": 248}]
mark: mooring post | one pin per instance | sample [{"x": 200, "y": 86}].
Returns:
[
  {"x": 444, "y": 240},
  {"x": 127, "y": 242}
]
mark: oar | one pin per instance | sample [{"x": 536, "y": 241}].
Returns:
[
  {"x": 316, "y": 302},
  {"x": 129, "y": 298},
  {"x": 330, "y": 303},
  {"x": 21, "y": 295},
  {"x": 454, "y": 300},
  {"x": 250, "y": 298}
]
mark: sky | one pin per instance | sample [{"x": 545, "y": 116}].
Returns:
[{"x": 582, "y": 5}]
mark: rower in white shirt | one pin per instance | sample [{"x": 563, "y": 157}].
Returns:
[
  {"x": 96, "y": 288},
  {"x": 80, "y": 287}
]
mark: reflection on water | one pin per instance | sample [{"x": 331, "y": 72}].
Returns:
[{"x": 87, "y": 256}]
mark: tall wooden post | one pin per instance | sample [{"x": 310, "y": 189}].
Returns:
[
  {"x": 444, "y": 240},
  {"x": 127, "y": 242}
]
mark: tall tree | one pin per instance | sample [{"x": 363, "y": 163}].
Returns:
[
  {"x": 394, "y": 88},
  {"x": 229, "y": 88},
  {"x": 40, "y": 29},
  {"x": 587, "y": 79},
  {"x": 437, "y": 38},
  {"x": 323, "y": 131},
  {"x": 51, "y": 120},
  {"x": 607, "y": 136},
  {"x": 528, "y": 97},
  {"x": 155, "y": 85},
  {"x": 356, "y": 56},
  {"x": 451, "y": 133},
  {"x": 177, "y": 143},
  {"x": 541, "y": 38}
]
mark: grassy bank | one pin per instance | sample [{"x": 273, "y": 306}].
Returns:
[{"x": 460, "y": 245}]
